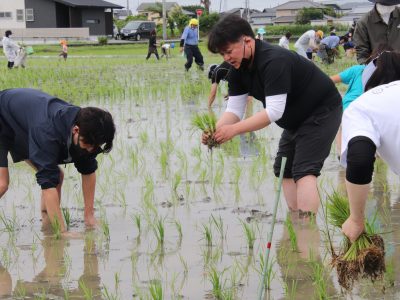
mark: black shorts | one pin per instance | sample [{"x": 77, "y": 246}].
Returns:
[{"x": 307, "y": 147}]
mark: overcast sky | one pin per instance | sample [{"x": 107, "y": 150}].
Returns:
[
  {"x": 215, "y": 4},
  {"x": 225, "y": 4}
]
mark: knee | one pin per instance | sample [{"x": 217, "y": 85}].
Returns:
[{"x": 3, "y": 188}]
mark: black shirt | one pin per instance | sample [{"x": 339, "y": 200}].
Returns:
[
  {"x": 278, "y": 71},
  {"x": 221, "y": 72},
  {"x": 38, "y": 126}
]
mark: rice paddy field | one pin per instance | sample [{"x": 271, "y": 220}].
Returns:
[{"x": 176, "y": 220}]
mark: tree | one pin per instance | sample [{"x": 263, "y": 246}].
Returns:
[
  {"x": 305, "y": 15},
  {"x": 180, "y": 19},
  {"x": 121, "y": 23},
  {"x": 207, "y": 21},
  {"x": 192, "y": 8}
]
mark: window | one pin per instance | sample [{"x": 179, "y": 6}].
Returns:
[
  {"x": 5, "y": 15},
  {"x": 29, "y": 15},
  {"x": 20, "y": 15},
  {"x": 96, "y": 21}
]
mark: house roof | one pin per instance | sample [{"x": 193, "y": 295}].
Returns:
[
  {"x": 92, "y": 3},
  {"x": 237, "y": 10},
  {"x": 285, "y": 19},
  {"x": 298, "y": 5},
  {"x": 146, "y": 5},
  {"x": 352, "y": 5},
  {"x": 263, "y": 15}
]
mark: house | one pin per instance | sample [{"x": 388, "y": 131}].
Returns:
[
  {"x": 146, "y": 8},
  {"x": 121, "y": 14},
  {"x": 286, "y": 13},
  {"x": 42, "y": 15},
  {"x": 242, "y": 12},
  {"x": 12, "y": 14},
  {"x": 262, "y": 19},
  {"x": 94, "y": 14}
]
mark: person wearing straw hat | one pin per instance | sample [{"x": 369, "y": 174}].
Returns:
[
  {"x": 10, "y": 49},
  {"x": 45, "y": 131},
  {"x": 381, "y": 25},
  {"x": 189, "y": 44},
  {"x": 309, "y": 39},
  {"x": 296, "y": 95}
]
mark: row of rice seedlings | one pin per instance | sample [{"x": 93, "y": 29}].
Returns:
[{"x": 365, "y": 257}]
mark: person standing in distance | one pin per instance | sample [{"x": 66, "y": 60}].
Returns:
[{"x": 189, "y": 43}]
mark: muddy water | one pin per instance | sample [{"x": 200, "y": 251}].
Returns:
[{"x": 132, "y": 180}]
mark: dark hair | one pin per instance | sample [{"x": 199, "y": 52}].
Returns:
[
  {"x": 288, "y": 35},
  {"x": 96, "y": 127},
  {"x": 8, "y": 33},
  {"x": 344, "y": 38},
  {"x": 153, "y": 32},
  {"x": 387, "y": 69},
  {"x": 227, "y": 31}
]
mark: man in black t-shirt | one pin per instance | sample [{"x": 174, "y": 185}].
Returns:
[
  {"x": 296, "y": 95},
  {"x": 216, "y": 73}
]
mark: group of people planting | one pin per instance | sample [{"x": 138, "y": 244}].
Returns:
[{"x": 45, "y": 131}]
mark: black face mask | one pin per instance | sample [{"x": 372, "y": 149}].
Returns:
[
  {"x": 76, "y": 151},
  {"x": 246, "y": 62}
]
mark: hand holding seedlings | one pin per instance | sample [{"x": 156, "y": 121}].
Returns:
[
  {"x": 224, "y": 133},
  {"x": 353, "y": 228}
]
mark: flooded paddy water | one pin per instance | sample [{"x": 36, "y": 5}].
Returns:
[{"x": 176, "y": 220}]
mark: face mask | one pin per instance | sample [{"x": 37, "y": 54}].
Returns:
[
  {"x": 246, "y": 62},
  {"x": 76, "y": 151},
  {"x": 385, "y": 11}
]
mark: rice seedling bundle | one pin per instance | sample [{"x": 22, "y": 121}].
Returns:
[
  {"x": 207, "y": 123},
  {"x": 365, "y": 257}
]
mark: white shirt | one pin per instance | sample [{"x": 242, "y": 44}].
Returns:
[
  {"x": 284, "y": 42},
  {"x": 375, "y": 114},
  {"x": 10, "y": 48},
  {"x": 306, "y": 40},
  {"x": 165, "y": 46}
]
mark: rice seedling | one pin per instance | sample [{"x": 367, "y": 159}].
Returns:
[
  {"x": 67, "y": 216},
  {"x": 108, "y": 295},
  {"x": 156, "y": 290},
  {"x": 178, "y": 226},
  {"x": 159, "y": 231},
  {"x": 365, "y": 257},
  {"x": 250, "y": 234},
  {"x": 290, "y": 289},
  {"x": 219, "y": 225},
  {"x": 292, "y": 233},
  {"x": 176, "y": 182},
  {"x": 10, "y": 224},
  {"x": 207, "y": 234},
  {"x": 184, "y": 264},
  {"x": 105, "y": 227},
  {"x": 87, "y": 292},
  {"x": 215, "y": 278},
  {"x": 207, "y": 123},
  {"x": 137, "y": 219},
  {"x": 270, "y": 275},
  {"x": 56, "y": 228},
  {"x": 318, "y": 277}
]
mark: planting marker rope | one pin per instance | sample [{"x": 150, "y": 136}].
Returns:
[{"x": 266, "y": 256}]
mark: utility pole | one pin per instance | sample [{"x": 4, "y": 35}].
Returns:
[
  {"x": 127, "y": 7},
  {"x": 164, "y": 23},
  {"x": 247, "y": 5}
]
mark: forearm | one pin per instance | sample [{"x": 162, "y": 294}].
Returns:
[
  {"x": 52, "y": 203},
  {"x": 336, "y": 78},
  {"x": 88, "y": 189},
  {"x": 358, "y": 194},
  {"x": 255, "y": 122},
  {"x": 227, "y": 118}
]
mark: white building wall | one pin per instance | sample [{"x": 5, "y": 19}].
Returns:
[{"x": 8, "y": 14}]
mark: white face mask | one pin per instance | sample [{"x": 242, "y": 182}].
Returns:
[{"x": 385, "y": 11}]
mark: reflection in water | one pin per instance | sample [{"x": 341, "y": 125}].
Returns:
[
  {"x": 5, "y": 282},
  {"x": 49, "y": 281},
  {"x": 303, "y": 272}
]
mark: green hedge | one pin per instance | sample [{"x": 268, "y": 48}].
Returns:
[{"x": 298, "y": 30}]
